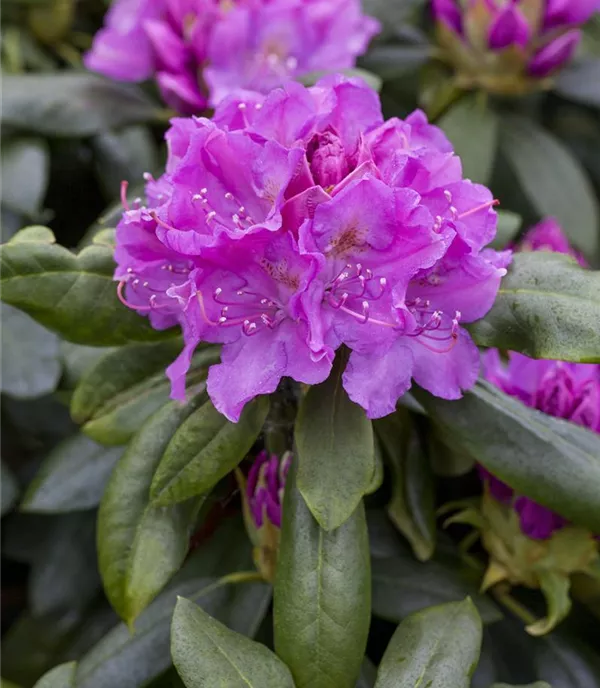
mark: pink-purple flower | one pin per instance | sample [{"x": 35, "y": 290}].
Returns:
[
  {"x": 493, "y": 42},
  {"x": 199, "y": 51},
  {"x": 265, "y": 486},
  {"x": 565, "y": 390},
  {"x": 297, "y": 223}
]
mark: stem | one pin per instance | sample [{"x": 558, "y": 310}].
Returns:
[{"x": 507, "y": 600}]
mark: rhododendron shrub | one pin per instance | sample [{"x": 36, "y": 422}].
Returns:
[{"x": 292, "y": 225}]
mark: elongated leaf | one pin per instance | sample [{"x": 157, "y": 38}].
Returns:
[
  {"x": 205, "y": 650},
  {"x": 547, "y": 307},
  {"x": 322, "y": 595},
  {"x": 62, "y": 676},
  {"x": 116, "y": 396},
  {"x": 555, "y": 586},
  {"x": 139, "y": 546},
  {"x": 412, "y": 506},
  {"x": 204, "y": 449},
  {"x": 71, "y": 103},
  {"x": 131, "y": 660},
  {"x": 25, "y": 164},
  {"x": 402, "y": 586},
  {"x": 553, "y": 179},
  {"x": 72, "y": 477},
  {"x": 10, "y": 489},
  {"x": 537, "y": 684},
  {"x": 73, "y": 295},
  {"x": 581, "y": 82},
  {"x": 30, "y": 356},
  {"x": 552, "y": 461},
  {"x": 392, "y": 61},
  {"x": 472, "y": 128},
  {"x": 437, "y": 647},
  {"x": 336, "y": 452}
]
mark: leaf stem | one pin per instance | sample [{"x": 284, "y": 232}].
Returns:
[{"x": 500, "y": 592}]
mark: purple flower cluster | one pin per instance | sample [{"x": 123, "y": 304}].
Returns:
[
  {"x": 537, "y": 35},
  {"x": 202, "y": 50},
  {"x": 564, "y": 390},
  {"x": 296, "y": 223},
  {"x": 265, "y": 486}
]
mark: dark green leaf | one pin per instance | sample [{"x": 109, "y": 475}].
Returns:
[
  {"x": 25, "y": 166},
  {"x": 129, "y": 661},
  {"x": 73, "y": 295},
  {"x": 322, "y": 600},
  {"x": 206, "y": 651},
  {"x": 368, "y": 674},
  {"x": 437, "y": 648},
  {"x": 507, "y": 229},
  {"x": 30, "y": 356},
  {"x": 71, "y": 103},
  {"x": 552, "y": 461},
  {"x": 581, "y": 82},
  {"x": 116, "y": 396},
  {"x": 553, "y": 179},
  {"x": 139, "y": 546},
  {"x": 537, "y": 684},
  {"x": 203, "y": 450},
  {"x": 77, "y": 360},
  {"x": 472, "y": 127},
  {"x": 64, "y": 576},
  {"x": 10, "y": 489},
  {"x": 402, "y": 585},
  {"x": 62, "y": 676},
  {"x": 392, "y": 61},
  {"x": 336, "y": 451},
  {"x": 547, "y": 307},
  {"x": 71, "y": 478},
  {"x": 412, "y": 506}
]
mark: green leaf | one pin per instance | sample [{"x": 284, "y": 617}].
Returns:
[
  {"x": 73, "y": 295},
  {"x": 140, "y": 546},
  {"x": 116, "y": 396},
  {"x": 472, "y": 127},
  {"x": 437, "y": 647},
  {"x": 537, "y": 684},
  {"x": 205, "y": 651},
  {"x": 62, "y": 676},
  {"x": 336, "y": 451},
  {"x": 30, "y": 356},
  {"x": 370, "y": 79},
  {"x": 552, "y": 461},
  {"x": 547, "y": 307},
  {"x": 555, "y": 587},
  {"x": 552, "y": 179},
  {"x": 412, "y": 505},
  {"x": 391, "y": 61},
  {"x": 71, "y": 478},
  {"x": 71, "y": 104},
  {"x": 203, "y": 450},
  {"x": 402, "y": 585},
  {"x": 64, "y": 576},
  {"x": 131, "y": 660},
  {"x": 368, "y": 674},
  {"x": 10, "y": 488},
  {"x": 322, "y": 597},
  {"x": 25, "y": 167},
  {"x": 508, "y": 227},
  {"x": 581, "y": 82}
]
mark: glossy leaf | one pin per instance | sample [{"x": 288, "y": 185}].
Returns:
[
  {"x": 412, "y": 505},
  {"x": 437, "y": 647},
  {"x": 336, "y": 451},
  {"x": 203, "y": 450},
  {"x": 140, "y": 546},
  {"x": 547, "y": 307},
  {"x": 25, "y": 167},
  {"x": 552, "y": 179},
  {"x": 322, "y": 596},
  {"x": 205, "y": 650},
  {"x": 129, "y": 660},
  {"x": 62, "y": 676},
  {"x": 552, "y": 461},
  {"x": 116, "y": 396},
  {"x": 71, "y": 103},
  {"x": 71, "y": 478},
  {"x": 73, "y": 295},
  {"x": 30, "y": 356},
  {"x": 472, "y": 127},
  {"x": 10, "y": 489}
]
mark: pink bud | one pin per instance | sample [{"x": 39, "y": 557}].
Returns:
[
  {"x": 509, "y": 28},
  {"x": 327, "y": 158},
  {"x": 555, "y": 54}
]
